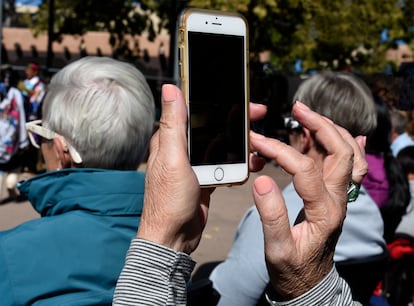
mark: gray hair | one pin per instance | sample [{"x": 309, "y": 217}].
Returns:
[
  {"x": 105, "y": 109},
  {"x": 341, "y": 97},
  {"x": 398, "y": 121}
]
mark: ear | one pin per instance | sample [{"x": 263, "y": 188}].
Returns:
[
  {"x": 307, "y": 141},
  {"x": 63, "y": 152}
]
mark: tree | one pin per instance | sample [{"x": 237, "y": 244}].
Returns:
[
  {"x": 327, "y": 34},
  {"x": 76, "y": 17},
  {"x": 120, "y": 18},
  {"x": 167, "y": 11},
  {"x": 323, "y": 34}
]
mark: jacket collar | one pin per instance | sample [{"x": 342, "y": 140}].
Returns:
[{"x": 107, "y": 192}]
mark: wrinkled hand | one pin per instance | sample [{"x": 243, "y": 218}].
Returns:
[
  {"x": 298, "y": 258},
  {"x": 174, "y": 212}
]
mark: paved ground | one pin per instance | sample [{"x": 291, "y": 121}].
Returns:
[{"x": 228, "y": 205}]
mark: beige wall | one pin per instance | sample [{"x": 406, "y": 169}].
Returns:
[{"x": 93, "y": 40}]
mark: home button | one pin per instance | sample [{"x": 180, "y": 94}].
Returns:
[{"x": 219, "y": 174}]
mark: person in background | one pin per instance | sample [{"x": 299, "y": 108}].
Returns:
[
  {"x": 98, "y": 118},
  {"x": 397, "y": 287},
  {"x": 399, "y": 135},
  {"x": 14, "y": 140},
  {"x": 33, "y": 90},
  {"x": 242, "y": 277},
  {"x": 385, "y": 182},
  {"x": 405, "y": 159},
  {"x": 299, "y": 259}
]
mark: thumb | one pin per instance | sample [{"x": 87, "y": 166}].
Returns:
[
  {"x": 173, "y": 122},
  {"x": 273, "y": 213}
]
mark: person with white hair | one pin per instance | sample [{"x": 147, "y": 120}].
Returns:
[
  {"x": 242, "y": 278},
  {"x": 98, "y": 118}
]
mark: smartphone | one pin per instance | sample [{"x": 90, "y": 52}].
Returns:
[{"x": 213, "y": 75}]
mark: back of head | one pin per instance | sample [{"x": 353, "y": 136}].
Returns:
[
  {"x": 105, "y": 109},
  {"x": 32, "y": 70},
  {"x": 379, "y": 139},
  {"x": 399, "y": 121},
  {"x": 406, "y": 159},
  {"x": 341, "y": 97},
  {"x": 378, "y": 143}
]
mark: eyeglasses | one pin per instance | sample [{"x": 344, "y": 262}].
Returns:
[
  {"x": 292, "y": 125},
  {"x": 34, "y": 129}
]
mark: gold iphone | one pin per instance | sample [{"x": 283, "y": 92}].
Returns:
[{"x": 213, "y": 75}]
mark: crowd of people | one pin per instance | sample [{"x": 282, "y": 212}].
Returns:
[
  {"x": 20, "y": 103},
  {"x": 109, "y": 234}
]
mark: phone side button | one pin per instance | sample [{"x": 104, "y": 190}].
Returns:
[
  {"x": 180, "y": 70},
  {"x": 180, "y": 53},
  {"x": 180, "y": 36},
  {"x": 219, "y": 174}
]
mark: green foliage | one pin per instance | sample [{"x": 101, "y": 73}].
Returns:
[
  {"x": 322, "y": 33},
  {"x": 75, "y": 17}
]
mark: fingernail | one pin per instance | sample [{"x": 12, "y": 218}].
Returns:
[
  {"x": 169, "y": 93},
  {"x": 263, "y": 185},
  {"x": 256, "y": 135},
  {"x": 301, "y": 106}
]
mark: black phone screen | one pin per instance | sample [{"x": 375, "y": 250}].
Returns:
[{"x": 216, "y": 98}]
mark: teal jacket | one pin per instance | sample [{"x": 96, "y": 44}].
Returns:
[{"x": 75, "y": 252}]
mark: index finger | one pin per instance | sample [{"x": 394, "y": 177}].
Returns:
[
  {"x": 339, "y": 153},
  {"x": 325, "y": 131},
  {"x": 257, "y": 111}
]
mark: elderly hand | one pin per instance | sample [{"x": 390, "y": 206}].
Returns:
[
  {"x": 173, "y": 197},
  {"x": 174, "y": 213},
  {"x": 298, "y": 258}
]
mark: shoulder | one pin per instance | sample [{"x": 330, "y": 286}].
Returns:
[
  {"x": 363, "y": 207},
  {"x": 362, "y": 231},
  {"x": 400, "y": 142}
]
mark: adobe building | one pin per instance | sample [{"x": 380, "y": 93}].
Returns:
[{"x": 21, "y": 47}]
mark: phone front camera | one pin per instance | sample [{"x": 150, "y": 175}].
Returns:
[{"x": 206, "y": 22}]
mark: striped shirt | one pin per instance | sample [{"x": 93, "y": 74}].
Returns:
[
  {"x": 332, "y": 290},
  {"x": 156, "y": 275},
  {"x": 153, "y": 275}
]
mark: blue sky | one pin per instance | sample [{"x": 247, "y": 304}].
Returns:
[
  {"x": 29, "y": 2},
  {"x": 36, "y": 2}
]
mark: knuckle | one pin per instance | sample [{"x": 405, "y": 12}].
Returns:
[{"x": 307, "y": 165}]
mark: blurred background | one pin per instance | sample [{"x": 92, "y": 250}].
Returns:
[{"x": 289, "y": 39}]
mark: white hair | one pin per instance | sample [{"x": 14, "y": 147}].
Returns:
[
  {"x": 342, "y": 97},
  {"x": 105, "y": 109}
]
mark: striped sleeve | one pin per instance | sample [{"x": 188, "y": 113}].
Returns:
[
  {"x": 332, "y": 290},
  {"x": 153, "y": 275}
]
